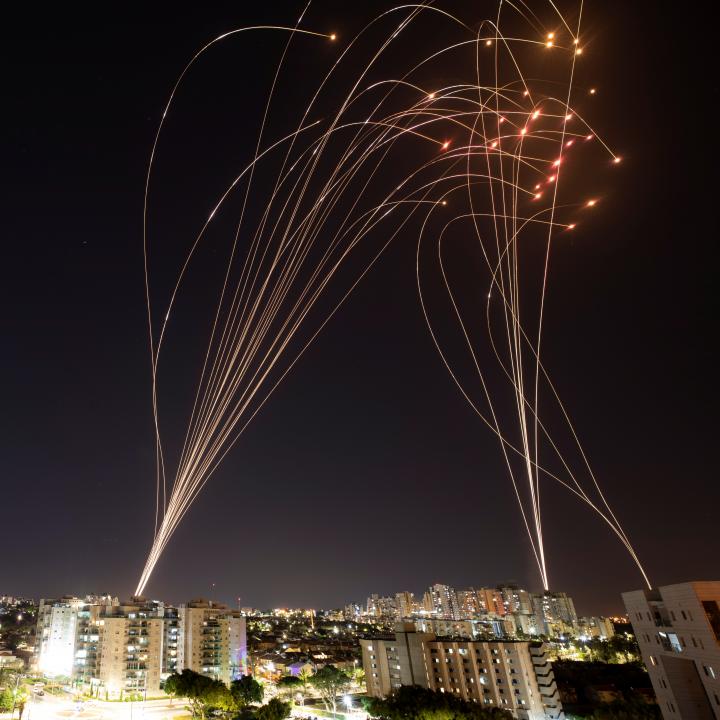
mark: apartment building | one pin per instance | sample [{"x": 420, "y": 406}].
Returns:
[
  {"x": 515, "y": 676},
  {"x": 444, "y": 602},
  {"x": 55, "y": 635},
  {"x": 678, "y": 630},
  {"x": 212, "y": 640},
  {"x": 131, "y": 651},
  {"x": 118, "y": 649}
]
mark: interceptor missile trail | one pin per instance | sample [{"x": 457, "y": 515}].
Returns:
[{"x": 383, "y": 150}]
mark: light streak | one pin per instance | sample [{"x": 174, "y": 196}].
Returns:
[{"x": 341, "y": 191}]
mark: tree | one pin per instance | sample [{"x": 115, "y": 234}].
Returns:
[
  {"x": 201, "y": 691},
  {"x": 634, "y": 709},
  {"x": 246, "y": 690},
  {"x": 288, "y": 685},
  {"x": 6, "y": 700},
  {"x": 276, "y": 709},
  {"x": 412, "y": 702},
  {"x": 304, "y": 678},
  {"x": 329, "y": 681},
  {"x": 358, "y": 676}
]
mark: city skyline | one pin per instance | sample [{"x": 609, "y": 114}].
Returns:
[{"x": 312, "y": 507}]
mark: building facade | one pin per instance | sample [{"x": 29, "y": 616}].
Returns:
[
  {"x": 212, "y": 640},
  {"x": 515, "y": 676},
  {"x": 115, "y": 649},
  {"x": 444, "y": 602},
  {"x": 678, "y": 630},
  {"x": 55, "y": 635}
]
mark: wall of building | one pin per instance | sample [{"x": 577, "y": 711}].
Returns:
[
  {"x": 680, "y": 646},
  {"x": 516, "y": 676}
]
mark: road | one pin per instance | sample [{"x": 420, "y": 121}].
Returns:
[{"x": 50, "y": 707}]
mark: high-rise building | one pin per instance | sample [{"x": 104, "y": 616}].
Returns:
[
  {"x": 405, "y": 605},
  {"x": 130, "y": 659},
  {"x": 115, "y": 649},
  {"x": 55, "y": 636},
  {"x": 61, "y": 625},
  {"x": 381, "y": 608},
  {"x": 678, "y": 630},
  {"x": 515, "y": 599},
  {"x": 555, "y": 613},
  {"x": 595, "y": 627},
  {"x": 468, "y": 605},
  {"x": 212, "y": 640},
  {"x": 444, "y": 602},
  {"x": 515, "y": 676},
  {"x": 490, "y": 601},
  {"x": 352, "y": 612}
]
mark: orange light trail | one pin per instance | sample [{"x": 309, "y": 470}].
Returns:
[{"x": 339, "y": 192}]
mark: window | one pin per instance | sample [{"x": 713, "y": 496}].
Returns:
[{"x": 712, "y": 611}]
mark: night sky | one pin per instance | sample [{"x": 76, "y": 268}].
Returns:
[{"x": 367, "y": 471}]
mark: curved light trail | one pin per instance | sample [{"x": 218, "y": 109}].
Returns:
[{"x": 380, "y": 152}]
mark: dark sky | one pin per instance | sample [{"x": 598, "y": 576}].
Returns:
[{"x": 366, "y": 472}]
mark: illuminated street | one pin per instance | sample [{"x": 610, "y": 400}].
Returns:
[{"x": 50, "y": 707}]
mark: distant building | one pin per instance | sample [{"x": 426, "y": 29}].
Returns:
[
  {"x": 444, "y": 602},
  {"x": 352, "y": 612},
  {"x": 452, "y": 628},
  {"x": 678, "y": 630},
  {"x": 516, "y": 600},
  {"x": 515, "y": 676},
  {"x": 10, "y": 661},
  {"x": 595, "y": 627},
  {"x": 381, "y": 608},
  {"x": 490, "y": 600},
  {"x": 555, "y": 613},
  {"x": 405, "y": 605},
  {"x": 468, "y": 605}
]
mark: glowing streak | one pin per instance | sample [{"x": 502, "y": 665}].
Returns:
[{"x": 316, "y": 212}]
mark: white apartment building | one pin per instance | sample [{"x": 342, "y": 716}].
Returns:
[
  {"x": 115, "y": 650},
  {"x": 55, "y": 636},
  {"x": 678, "y": 629},
  {"x": 131, "y": 656},
  {"x": 514, "y": 676},
  {"x": 212, "y": 640}
]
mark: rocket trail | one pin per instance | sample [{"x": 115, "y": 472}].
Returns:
[{"x": 473, "y": 169}]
